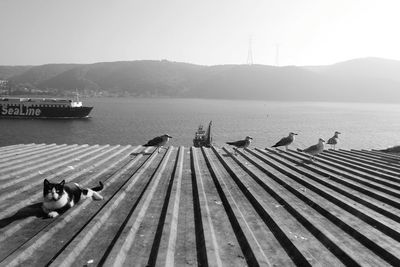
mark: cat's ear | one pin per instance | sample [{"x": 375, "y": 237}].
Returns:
[
  {"x": 62, "y": 183},
  {"x": 46, "y": 182}
]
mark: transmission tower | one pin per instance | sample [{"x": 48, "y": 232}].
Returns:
[{"x": 250, "y": 54}]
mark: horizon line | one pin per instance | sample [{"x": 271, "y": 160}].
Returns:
[{"x": 205, "y": 65}]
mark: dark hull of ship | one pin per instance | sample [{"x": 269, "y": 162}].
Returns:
[
  {"x": 200, "y": 143},
  {"x": 50, "y": 113}
]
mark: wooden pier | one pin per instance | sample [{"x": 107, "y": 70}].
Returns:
[{"x": 201, "y": 207}]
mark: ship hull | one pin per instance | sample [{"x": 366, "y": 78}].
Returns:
[{"x": 24, "y": 112}]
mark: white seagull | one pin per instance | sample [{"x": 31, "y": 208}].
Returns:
[
  {"x": 241, "y": 143},
  {"x": 315, "y": 149},
  {"x": 159, "y": 141},
  {"x": 334, "y": 140},
  {"x": 286, "y": 141}
]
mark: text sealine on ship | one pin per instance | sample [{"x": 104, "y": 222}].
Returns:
[{"x": 42, "y": 108}]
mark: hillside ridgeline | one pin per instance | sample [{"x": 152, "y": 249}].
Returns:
[{"x": 358, "y": 80}]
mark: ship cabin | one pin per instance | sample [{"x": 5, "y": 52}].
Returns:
[
  {"x": 40, "y": 102},
  {"x": 202, "y": 137}
]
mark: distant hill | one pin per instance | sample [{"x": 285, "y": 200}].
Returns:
[
  {"x": 362, "y": 80},
  {"x": 138, "y": 78},
  {"x": 38, "y": 74},
  {"x": 7, "y": 72},
  {"x": 377, "y": 68},
  {"x": 258, "y": 82},
  {"x": 359, "y": 80}
]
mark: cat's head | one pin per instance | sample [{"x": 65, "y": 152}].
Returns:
[{"x": 53, "y": 191}]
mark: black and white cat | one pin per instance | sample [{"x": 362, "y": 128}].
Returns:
[{"x": 58, "y": 197}]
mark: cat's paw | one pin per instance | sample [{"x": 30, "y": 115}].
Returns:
[{"x": 52, "y": 214}]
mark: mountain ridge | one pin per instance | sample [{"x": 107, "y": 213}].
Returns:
[{"x": 357, "y": 80}]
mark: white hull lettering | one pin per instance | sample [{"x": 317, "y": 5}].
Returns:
[{"x": 20, "y": 111}]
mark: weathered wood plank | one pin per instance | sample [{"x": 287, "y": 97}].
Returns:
[
  {"x": 320, "y": 217},
  {"x": 201, "y": 206},
  {"x": 334, "y": 180}
]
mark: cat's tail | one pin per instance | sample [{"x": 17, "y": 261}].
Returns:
[
  {"x": 99, "y": 187},
  {"x": 92, "y": 192}
]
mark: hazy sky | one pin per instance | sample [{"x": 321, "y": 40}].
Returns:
[{"x": 207, "y": 32}]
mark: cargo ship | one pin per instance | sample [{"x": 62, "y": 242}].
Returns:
[
  {"x": 202, "y": 137},
  {"x": 43, "y": 108}
]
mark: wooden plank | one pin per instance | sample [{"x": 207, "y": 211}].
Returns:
[
  {"x": 55, "y": 227},
  {"x": 29, "y": 182},
  {"x": 365, "y": 163},
  {"x": 372, "y": 157},
  {"x": 323, "y": 222},
  {"x": 363, "y": 195},
  {"x": 310, "y": 180},
  {"x": 146, "y": 247},
  {"x": 185, "y": 246},
  {"x": 121, "y": 251},
  {"x": 260, "y": 220},
  {"x": 5, "y": 158},
  {"x": 94, "y": 240},
  {"x": 217, "y": 230},
  {"x": 201, "y": 207},
  {"x": 19, "y": 147},
  {"x": 385, "y": 155},
  {"x": 16, "y": 164},
  {"x": 234, "y": 212},
  {"x": 346, "y": 216},
  {"x": 362, "y": 167},
  {"x": 375, "y": 181}
]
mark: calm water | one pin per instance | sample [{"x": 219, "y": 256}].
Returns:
[{"x": 134, "y": 121}]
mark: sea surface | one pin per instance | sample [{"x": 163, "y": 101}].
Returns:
[{"x": 134, "y": 121}]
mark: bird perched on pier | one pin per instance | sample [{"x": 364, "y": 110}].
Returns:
[
  {"x": 241, "y": 143},
  {"x": 315, "y": 149},
  {"x": 286, "y": 141},
  {"x": 159, "y": 141},
  {"x": 334, "y": 140}
]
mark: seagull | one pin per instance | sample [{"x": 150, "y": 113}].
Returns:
[
  {"x": 159, "y": 141},
  {"x": 241, "y": 143},
  {"x": 315, "y": 149},
  {"x": 286, "y": 141},
  {"x": 334, "y": 140}
]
